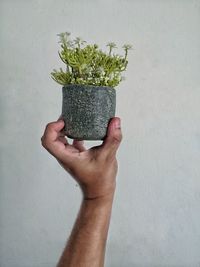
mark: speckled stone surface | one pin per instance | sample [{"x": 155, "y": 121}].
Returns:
[{"x": 86, "y": 110}]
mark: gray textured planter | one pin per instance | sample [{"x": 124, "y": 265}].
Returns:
[{"x": 86, "y": 110}]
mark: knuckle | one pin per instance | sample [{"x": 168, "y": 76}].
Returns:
[
  {"x": 111, "y": 157},
  {"x": 117, "y": 139},
  {"x": 49, "y": 126},
  {"x": 43, "y": 141}
]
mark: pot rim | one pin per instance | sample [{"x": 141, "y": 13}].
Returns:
[{"x": 88, "y": 85}]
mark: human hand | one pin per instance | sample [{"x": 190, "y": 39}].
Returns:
[{"x": 94, "y": 169}]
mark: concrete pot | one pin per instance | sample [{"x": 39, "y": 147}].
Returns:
[{"x": 86, "y": 110}]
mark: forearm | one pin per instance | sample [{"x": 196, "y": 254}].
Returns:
[{"x": 87, "y": 242}]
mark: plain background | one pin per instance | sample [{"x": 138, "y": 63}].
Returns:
[{"x": 156, "y": 213}]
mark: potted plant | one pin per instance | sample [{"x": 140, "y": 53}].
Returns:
[{"x": 89, "y": 81}]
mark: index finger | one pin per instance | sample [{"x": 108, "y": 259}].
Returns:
[{"x": 52, "y": 132}]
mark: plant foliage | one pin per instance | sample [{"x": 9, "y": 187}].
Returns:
[{"x": 87, "y": 64}]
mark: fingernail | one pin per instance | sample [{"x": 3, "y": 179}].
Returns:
[
  {"x": 118, "y": 123},
  {"x": 60, "y": 118}
]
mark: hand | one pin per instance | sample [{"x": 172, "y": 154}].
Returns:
[{"x": 94, "y": 169}]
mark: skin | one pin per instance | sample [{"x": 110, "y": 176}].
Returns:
[{"x": 95, "y": 171}]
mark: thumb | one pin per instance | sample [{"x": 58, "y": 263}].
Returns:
[{"x": 113, "y": 137}]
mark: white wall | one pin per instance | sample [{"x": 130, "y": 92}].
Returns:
[{"x": 156, "y": 214}]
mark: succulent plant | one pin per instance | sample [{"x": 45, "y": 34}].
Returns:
[{"x": 87, "y": 64}]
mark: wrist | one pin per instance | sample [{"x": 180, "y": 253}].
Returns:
[
  {"x": 98, "y": 190},
  {"x": 100, "y": 198},
  {"x": 98, "y": 204}
]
